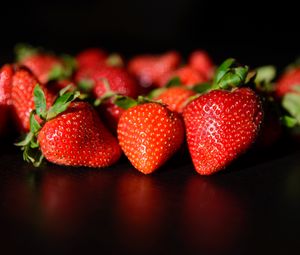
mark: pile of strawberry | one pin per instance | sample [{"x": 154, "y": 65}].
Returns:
[{"x": 89, "y": 109}]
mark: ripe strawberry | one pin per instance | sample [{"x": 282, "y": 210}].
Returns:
[
  {"x": 23, "y": 83},
  {"x": 77, "y": 137},
  {"x": 6, "y": 74},
  {"x": 148, "y": 69},
  {"x": 201, "y": 61},
  {"x": 56, "y": 86},
  {"x": 149, "y": 134},
  {"x": 91, "y": 57},
  {"x": 187, "y": 75},
  {"x": 118, "y": 79},
  {"x": 287, "y": 82},
  {"x": 221, "y": 125},
  {"x": 176, "y": 98},
  {"x": 43, "y": 65},
  {"x": 104, "y": 80}
]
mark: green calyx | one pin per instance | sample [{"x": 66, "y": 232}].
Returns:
[
  {"x": 115, "y": 60},
  {"x": 229, "y": 75},
  {"x": 64, "y": 70},
  {"x": 29, "y": 145},
  {"x": 23, "y": 51},
  {"x": 291, "y": 104}
]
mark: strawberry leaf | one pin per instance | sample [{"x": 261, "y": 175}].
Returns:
[
  {"x": 265, "y": 74},
  {"x": 291, "y": 103},
  {"x": 289, "y": 121},
  {"x": 156, "y": 92},
  {"x": 26, "y": 140},
  {"x": 223, "y": 69},
  {"x": 61, "y": 104},
  {"x": 70, "y": 65},
  {"x": 39, "y": 101},
  {"x": 34, "y": 125},
  {"x": 114, "y": 59},
  {"x": 85, "y": 85},
  {"x": 124, "y": 102},
  {"x": 173, "y": 82},
  {"x": 57, "y": 72},
  {"x": 202, "y": 87},
  {"x": 23, "y": 51}
]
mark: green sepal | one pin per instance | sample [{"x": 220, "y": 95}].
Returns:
[
  {"x": 289, "y": 121},
  {"x": 23, "y": 51},
  {"x": 115, "y": 60},
  {"x": 202, "y": 87},
  {"x": 40, "y": 101},
  {"x": 34, "y": 125},
  {"x": 291, "y": 103},
  {"x": 156, "y": 92},
  {"x": 85, "y": 85},
  {"x": 265, "y": 74},
  {"x": 296, "y": 88},
  {"x": 223, "y": 69},
  {"x": 61, "y": 104},
  {"x": 70, "y": 65},
  {"x": 104, "y": 98},
  {"x": 124, "y": 102},
  {"x": 57, "y": 72},
  {"x": 173, "y": 82},
  {"x": 26, "y": 140}
]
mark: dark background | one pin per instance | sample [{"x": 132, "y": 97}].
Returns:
[{"x": 254, "y": 34}]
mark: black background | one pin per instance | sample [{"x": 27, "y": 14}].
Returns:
[
  {"x": 262, "y": 188},
  {"x": 253, "y": 33}
]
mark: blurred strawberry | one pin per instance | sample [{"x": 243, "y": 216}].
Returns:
[
  {"x": 91, "y": 57},
  {"x": 201, "y": 61},
  {"x": 176, "y": 98},
  {"x": 44, "y": 66},
  {"x": 288, "y": 81},
  {"x": 187, "y": 76},
  {"x": 149, "y": 69},
  {"x": 6, "y": 74}
]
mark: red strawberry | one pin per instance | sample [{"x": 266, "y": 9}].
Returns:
[
  {"x": 91, "y": 57},
  {"x": 176, "y": 98},
  {"x": 221, "y": 125},
  {"x": 44, "y": 66},
  {"x": 77, "y": 137},
  {"x": 149, "y": 134},
  {"x": 117, "y": 80},
  {"x": 201, "y": 61},
  {"x": 287, "y": 82},
  {"x": 6, "y": 74},
  {"x": 187, "y": 76},
  {"x": 148, "y": 69},
  {"x": 56, "y": 86},
  {"x": 23, "y": 84}
]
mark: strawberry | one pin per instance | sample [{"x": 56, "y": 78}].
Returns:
[
  {"x": 187, "y": 75},
  {"x": 56, "y": 86},
  {"x": 43, "y": 65},
  {"x": 148, "y": 69},
  {"x": 78, "y": 138},
  {"x": 23, "y": 83},
  {"x": 287, "y": 82},
  {"x": 149, "y": 134},
  {"x": 91, "y": 57},
  {"x": 71, "y": 134},
  {"x": 221, "y": 124},
  {"x": 175, "y": 98},
  {"x": 107, "y": 80},
  {"x": 6, "y": 74},
  {"x": 201, "y": 61}
]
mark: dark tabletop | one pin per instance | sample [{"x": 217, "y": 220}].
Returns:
[{"x": 250, "y": 208}]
